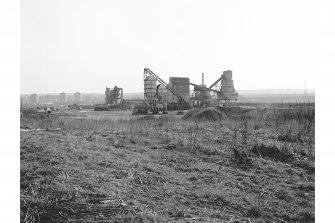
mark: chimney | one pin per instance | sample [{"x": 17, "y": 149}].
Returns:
[{"x": 203, "y": 82}]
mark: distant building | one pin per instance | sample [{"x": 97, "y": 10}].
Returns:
[
  {"x": 25, "y": 101},
  {"x": 76, "y": 97},
  {"x": 47, "y": 99},
  {"x": 62, "y": 98},
  {"x": 34, "y": 98}
]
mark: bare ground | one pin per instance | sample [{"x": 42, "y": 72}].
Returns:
[{"x": 162, "y": 170}]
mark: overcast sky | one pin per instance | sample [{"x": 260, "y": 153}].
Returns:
[{"x": 86, "y": 45}]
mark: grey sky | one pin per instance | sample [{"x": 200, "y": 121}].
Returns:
[{"x": 86, "y": 45}]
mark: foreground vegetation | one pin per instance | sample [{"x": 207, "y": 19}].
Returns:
[{"x": 246, "y": 168}]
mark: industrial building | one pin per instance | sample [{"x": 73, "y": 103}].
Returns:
[
  {"x": 224, "y": 93},
  {"x": 113, "y": 100},
  {"x": 113, "y": 96},
  {"x": 181, "y": 85},
  {"x": 227, "y": 90}
]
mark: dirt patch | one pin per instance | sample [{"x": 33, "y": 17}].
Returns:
[{"x": 205, "y": 114}]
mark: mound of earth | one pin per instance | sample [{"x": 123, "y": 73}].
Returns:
[
  {"x": 147, "y": 117},
  {"x": 204, "y": 114},
  {"x": 236, "y": 110}
]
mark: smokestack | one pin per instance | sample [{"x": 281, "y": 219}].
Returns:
[{"x": 203, "y": 82}]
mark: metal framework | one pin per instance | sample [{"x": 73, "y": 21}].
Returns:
[{"x": 204, "y": 88}]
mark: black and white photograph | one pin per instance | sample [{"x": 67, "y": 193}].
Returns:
[{"x": 168, "y": 111}]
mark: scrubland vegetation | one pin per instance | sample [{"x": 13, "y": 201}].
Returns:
[{"x": 211, "y": 166}]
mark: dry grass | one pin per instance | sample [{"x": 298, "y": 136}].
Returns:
[{"x": 166, "y": 169}]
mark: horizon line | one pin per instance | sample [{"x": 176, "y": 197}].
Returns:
[{"x": 261, "y": 89}]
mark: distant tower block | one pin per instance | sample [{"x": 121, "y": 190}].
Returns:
[
  {"x": 62, "y": 98},
  {"x": 34, "y": 98},
  {"x": 76, "y": 97}
]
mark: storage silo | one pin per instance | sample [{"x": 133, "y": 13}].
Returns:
[{"x": 150, "y": 88}]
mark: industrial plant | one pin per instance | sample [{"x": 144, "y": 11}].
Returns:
[{"x": 161, "y": 97}]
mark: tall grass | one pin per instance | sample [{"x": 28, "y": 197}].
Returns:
[{"x": 291, "y": 126}]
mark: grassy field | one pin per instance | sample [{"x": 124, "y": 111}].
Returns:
[{"x": 93, "y": 167}]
